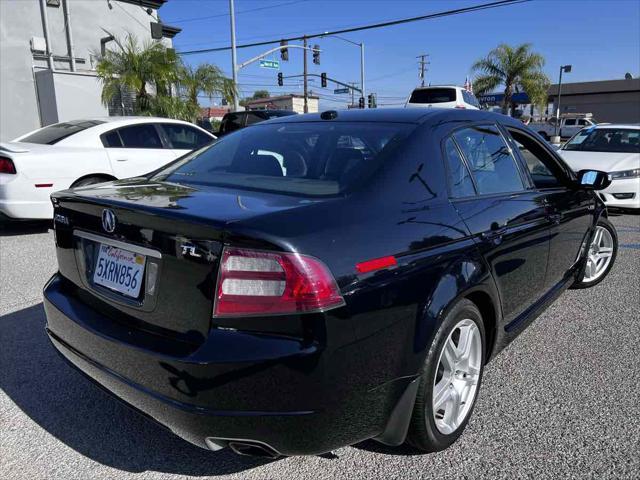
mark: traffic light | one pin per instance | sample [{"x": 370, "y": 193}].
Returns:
[
  {"x": 316, "y": 54},
  {"x": 280, "y": 82},
  {"x": 361, "y": 102},
  {"x": 284, "y": 52},
  {"x": 372, "y": 100},
  {"x": 323, "y": 80}
]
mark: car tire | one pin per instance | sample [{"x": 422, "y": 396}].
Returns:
[
  {"x": 604, "y": 236},
  {"x": 83, "y": 182},
  {"x": 428, "y": 430},
  {"x": 544, "y": 135}
]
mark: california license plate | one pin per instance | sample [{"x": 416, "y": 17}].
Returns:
[{"x": 119, "y": 270}]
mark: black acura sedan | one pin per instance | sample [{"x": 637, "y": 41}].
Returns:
[{"x": 314, "y": 281}]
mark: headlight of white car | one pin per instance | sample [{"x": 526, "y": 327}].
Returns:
[{"x": 625, "y": 174}]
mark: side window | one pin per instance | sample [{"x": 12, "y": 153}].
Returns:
[
  {"x": 140, "y": 136},
  {"x": 459, "y": 178},
  {"x": 489, "y": 159},
  {"x": 570, "y": 122},
  {"x": 254, "y": 118},
  {"x": 184, "y": 137},
  {"x": 232, "y": 122},
  {"x": 540, "y": 164},
  {"x": 111, "y": 139}
]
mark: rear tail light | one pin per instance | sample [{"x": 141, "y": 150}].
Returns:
[
  {"x": 6, "y": 165},
  {"x": 254, "y": 282}
]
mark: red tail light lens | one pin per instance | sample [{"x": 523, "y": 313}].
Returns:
[
  {"x": 254, "y": 282},
  {"x": 6, "y": 165}
]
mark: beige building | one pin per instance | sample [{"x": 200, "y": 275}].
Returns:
[
  {"x": 615, "y": 101},
  {"x": 292, "y": 101}
]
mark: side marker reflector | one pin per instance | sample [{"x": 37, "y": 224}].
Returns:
[{"x": 376, "y": 264}]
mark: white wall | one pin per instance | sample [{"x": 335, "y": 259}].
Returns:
[{"x": 20, "y": 20}]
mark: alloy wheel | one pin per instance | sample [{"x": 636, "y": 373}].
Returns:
[
  {"x": 456, "y": 380},
  {"x": 599, "y": 255}
]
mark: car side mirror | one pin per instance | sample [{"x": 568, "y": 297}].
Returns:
[{"x": 593, "y": 179}]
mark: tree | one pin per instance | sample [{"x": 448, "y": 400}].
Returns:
[
  {"x": 137, "y": 69},
  {"x": 207, "y": 79},
  {"x": 161, "y": 83},
  {"x": 517, "y": 69},
  {"x": 257, "y": 94}
]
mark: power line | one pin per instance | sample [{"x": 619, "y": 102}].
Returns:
[
  {"x": 195, "y": 19},
  {"x": 457, "y": 11}
]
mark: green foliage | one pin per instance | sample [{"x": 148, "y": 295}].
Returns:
[
  {"x": 517, "y": 69},
  {"x": 162, "y": 84},
  {"x": 257, "y": 94}
]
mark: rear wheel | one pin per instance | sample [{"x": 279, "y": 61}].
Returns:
[
  {"x": 83, "y": 182},
  {"x": 601, "y": 255},
  {"x": 544, "y": 135},
  {"x": 450, "y": 380}
]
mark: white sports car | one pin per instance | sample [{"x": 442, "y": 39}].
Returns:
[
  {"x": 614, "y": 149},
  {"x": 83, "y": 152}
]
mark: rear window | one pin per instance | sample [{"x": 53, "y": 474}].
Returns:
[
  {"x": 433, "y": 95},
  {"x": 54, "y": 133},
  {"x": 308, "y": 159}
]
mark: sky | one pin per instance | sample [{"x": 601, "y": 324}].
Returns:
[{"x": 599, "y": 38}]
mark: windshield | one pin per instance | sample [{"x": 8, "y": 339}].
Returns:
[
  {"x": 433, "y": 95},
  {"x": 622, "y": 140},
  {"x": 54, "y": 133},
  {"x": 309, "y": 158}
]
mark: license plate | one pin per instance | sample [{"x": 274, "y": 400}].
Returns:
[{"x": 119, "y": 270}]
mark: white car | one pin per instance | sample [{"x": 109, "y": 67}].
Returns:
[
  {"x": 614, "y": 149},
  {"x": 445, "y": 96},
  {"x": 83, "y": 152}
]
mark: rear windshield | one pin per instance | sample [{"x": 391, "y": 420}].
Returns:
[
  {"x": 54, "y": 133},
  {"x": 433, "y": 95},
  {"x": 621, "y": 140},
  {"x": 309, "y": 159}
]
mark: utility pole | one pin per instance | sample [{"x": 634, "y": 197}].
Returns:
[
  {"x": 361, "y": 69},
  {"x": 353, "y": 99},
  {"x": 234, "y": 67},
  {"x": 423, "y": 62},
  {"x": 304, "y": 73}
]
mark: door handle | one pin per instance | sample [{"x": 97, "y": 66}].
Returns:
[
  {"x": 121, "y": 159},
  {"x": 494, "y": 235}
]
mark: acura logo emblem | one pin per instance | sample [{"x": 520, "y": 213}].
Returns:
[{"x": 108, "y": 220}]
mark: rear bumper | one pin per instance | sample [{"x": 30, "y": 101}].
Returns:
[
  {"x": 20, "y": 199},
  {"x": 262, "y": 389}
]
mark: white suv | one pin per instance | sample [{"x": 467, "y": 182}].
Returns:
[{"x": 446, "y": 96}]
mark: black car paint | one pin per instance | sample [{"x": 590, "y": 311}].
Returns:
[{"x": 306, "y": 384}]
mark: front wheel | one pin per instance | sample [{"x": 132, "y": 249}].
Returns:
[
  {"x": 601, "y": 255},
  {"x": 450, "y": 380}
]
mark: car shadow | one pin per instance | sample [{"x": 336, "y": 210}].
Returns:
[
  {"x": 76, "y": 412},
  {"x": 13, "y": 228}
]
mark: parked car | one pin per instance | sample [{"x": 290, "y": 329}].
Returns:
[
  {"x": 233, "y": 121},
  {"x": 84, "y": 152},
  {"x": 350, "y": 292},
  {"x": 446, "y": 96},
  {"x": 614, "y": 148},
  {"x": 569, "y": 125}
]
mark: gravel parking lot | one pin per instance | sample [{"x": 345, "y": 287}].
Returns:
[{"x": 560, "y": 402}]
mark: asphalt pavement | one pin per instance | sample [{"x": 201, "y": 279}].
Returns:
[{"x": 562, "y": 401}]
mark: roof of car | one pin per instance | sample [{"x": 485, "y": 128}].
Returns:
[
  {"x": 634, "y": 126},
  {"x": 437, "y": 86},
  {"x": 397, "y": 115}
]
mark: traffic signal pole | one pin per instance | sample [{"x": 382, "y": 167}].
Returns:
[
  {"x": 306, "y": 97},
  {"x": 234, "y": 67}
]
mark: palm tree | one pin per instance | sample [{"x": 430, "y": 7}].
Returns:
[
  {"x": 137, "y": 69},
  {"x": 517, "y": 69},
  {"x": 162, "y": 84},
  {"x": 207, "y": 79}
]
